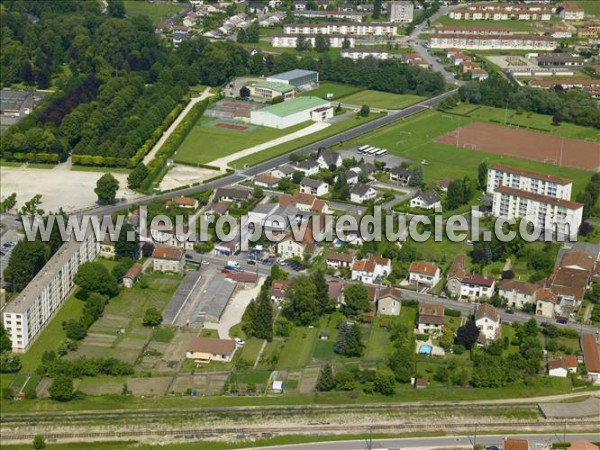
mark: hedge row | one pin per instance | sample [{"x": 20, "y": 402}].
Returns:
[
  {"x": 158, "y": 166},
  {"x": 31, "y": 157}
]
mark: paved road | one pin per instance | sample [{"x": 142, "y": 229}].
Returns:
[{"x": 535, "y": 441}]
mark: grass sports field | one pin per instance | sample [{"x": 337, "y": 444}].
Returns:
[
  {"x": 413, "y": 138},
  {"x": 205, "y": 143},
  {"x": 156, "y": 11},
  {"x": 337, "y": 89},
  {"x": 376, "y": 99}
]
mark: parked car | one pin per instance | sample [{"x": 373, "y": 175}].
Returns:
[{"x": 239, "y": 342}]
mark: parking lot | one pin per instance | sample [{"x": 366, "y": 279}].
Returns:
[{"x": 7, "y": 243}]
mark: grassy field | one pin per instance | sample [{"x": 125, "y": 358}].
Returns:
[
  {"x": 156, "y": 11},
  {"x": 251, "y": 349},
  {"x": 384, "y": 100},
  {"x": 513, "y": 25},
  {"x": 334, "y": 129},
  {"x": 298, "y": 348},
  {"x": 412, "y": 138},
  {"x": 590, "y": 6},
  {"x": 205, "y": 143},
  {"x": 337, "y": 89}
]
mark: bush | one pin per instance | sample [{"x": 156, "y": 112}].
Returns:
[
  {"x": 452, "y": 312},
  {"x": 61, "y": 389},
  {"x": 422, "y": 337},
  {"x": 458, "y": 349}
]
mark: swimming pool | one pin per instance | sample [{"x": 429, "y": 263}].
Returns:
[{"x": 425, "y": 349}]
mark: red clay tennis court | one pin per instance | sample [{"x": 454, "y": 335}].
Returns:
[
  {"x": 531, "y": 145},
  {"x": 231, "y": 126}
]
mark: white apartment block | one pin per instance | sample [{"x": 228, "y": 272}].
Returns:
[
  {"x": 29, "y": 313},
  {"x": 343, "y": 28},
  {"x": 555, "y": 215},
  {"x": 361, "y": 54},
  {"x": 493, "y": 42},
  {"x": 289, "y": 41},
  {"x": 572, "y": 13},
  {"x": 503, "y": 11},
  {"x": 401, "y": 12},
  {"x": 526, "y": 180}
]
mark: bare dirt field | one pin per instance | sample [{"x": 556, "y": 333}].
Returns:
[
  {"x": 534, "y": 146},
  {"x": 182, "y": 175}
]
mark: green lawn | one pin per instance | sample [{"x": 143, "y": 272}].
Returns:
[
  {"x": 205, "y": 143},
  {"x": 379, "y": 343},
  {"x": 251, "y": 377},
  {"x": 298, "y": 348},
  {"x": 156, "y": 11},
  {"x": 413, "y": 138},
  {"x": 590, "y": 6},
  {"x": 513, "y": 25},
  {"x": 337, "y": 89},
  {"x": 334, "y": 129},
  {"x": 163, "y": 334},
  {"x": 251, "y": 349},
  {"x": 385, "y": 100}
]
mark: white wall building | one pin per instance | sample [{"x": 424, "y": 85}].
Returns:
[
  {"x": 369, "y": 270},
  {"x": 402, "y": 12},
  {"x": 290, "y": 113},
  {"x": 423, "y": 273},
  {"x": 28, "y": 314},
  {"x": 361, "y": 54},
  {"x": 474, "y": 286},
  {"x": 289, "y": 40},
  {"x": 526, "y": 180},
  {"x": 343, "y": 28},
  {"x": 487, "y": 320},
  {"x": 493, "y": 42}
]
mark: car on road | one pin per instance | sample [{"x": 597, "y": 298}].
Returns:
[
  {"x": 510, "y": 311},
  {"x": 252, "y": 262},
  {"x": 205, "y": 262},
  {"x": 239, "y": 342},
  {"x": 2, "y": 253},
  {"x": 188, "y": 256}
]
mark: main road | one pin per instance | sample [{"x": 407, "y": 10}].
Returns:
[{"x": 535, "y": 441}]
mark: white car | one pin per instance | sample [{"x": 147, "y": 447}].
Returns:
[
  {"x": 281, "y": 261},
  {"x": 205, "y": 263},
  {"x": 239, "y": 342}
]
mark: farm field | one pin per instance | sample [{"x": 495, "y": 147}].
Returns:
[
  {"x": 351, "y": 122},
  {"x": 384, "y": 100},
  {"x": 337, "y": 89},
  {"x": 513, "y": 25},
  {"x": 413, "y": 138},
  {"x": 156, "y": 11},
  {"x": 205, "y": 143}
]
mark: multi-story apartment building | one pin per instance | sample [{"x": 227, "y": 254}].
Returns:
[
  {"x": 289, "y": 41},
  {"x": 401, "y": 12},
  {"x": 570, "y": 11},
  {"x": 29, "y": 313},
  {"x": 365, "y": 53},
  {"x": 472, "y": 29},
  {"x": 343, "y": 28},
  {"x": 493, "y": 42},
  {"x": 529, "y": 181},
  {"x": 503, "y": 11}
]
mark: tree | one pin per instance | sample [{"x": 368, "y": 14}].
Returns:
[
  {"x": 349, "y": 341},
  {"x": 302, "y": 306},
  {"x": 376, "y": 9},
  {"x": 152, "y": 317},
  {"x": 8, "y": 203},
  {"x": 416, "y": 176},
  {"x": 95, "y": 277},
  {"x": 39, "y": 442},
  {"x": 346, "y": 43},
  {"x": 447, "y": 339},
  {"x": 9, "y": 362},
  {"x": 467, "y": 334},
  {"x": 253, "y": 32},
  {"x": 302, "y": 43},
  {"x": 297, "y": 177},
  {"x": 384, "y": 382},
  {"x": 325, "y": 302},
  {"x": 322, "y": 43},
  {"x": 262, "y": 317},
  {"x": 75, "y": 330},
  {"x": 26, "y": 260},
  {"x": 325, "y": 382},
  {"x": 244, "y": 92},
  {"x": 364, "y": 111},
  {"x": 30, "y": 208},
  {"x": 242, "y": 36},
  {"x": 482, "y": 175},
  {"x": 5, "y": 342},
  {"x": 557, "y": 118},
  {"x": 106, "y": 188},
  {"x": 61, "y": 389},
  {"x": 258, "y": 192},
  {"x": 137, "y": 176},
  {"x": 116, "y": 8},
  {"x": 402, "y": 363},
  {"x": 356, "y": 298},
  {"x": 128, "y": 243}
]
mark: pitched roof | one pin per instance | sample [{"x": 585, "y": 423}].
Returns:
[
  {"x": 343, "y": 257},
  {"x": 530, "y": 174},
  {"x": 307, "y": 164},
  {"x": 430, "y": 313},
  {"x": 579, "y": 259},
  {"x": 286, "y": 169},
  {"x": 389, "y": 291},
  {"x": 167, "y": 252},
  {"x": 401, "y": 171},
  {"x": 185, "y": 201},
  {"x": 312, "y": 183},
  {"x": 522, "y": 287},
  {"x": 545, "y": 295},
  {"x": 564, "y": 362},
  {"x": 545, "y": 199},
  {"x": 515, "y": 444},
  {"x": 429, "y": 197},
  {"x": 134, "y": 271},
  {"x": 219, "y": 208},
  {"x": 334, "y": 289},
  {"x": 237, "y": 194},
  {"x": 486, "y": 310},
  {"x": 591, "y": 356},
  {"x": 380, "y": 260},
  {"x": 458, "y": 267},
  {"x": 569, "y": 282},
  {"x": 423, "y": 267},
  {"x": 267, "y": 179},
  {"x": 243, "y": 277},
  {"x": 212, "y": 346},
  {"x": 360, "y": 189},
  {"x": 329, "y": 157},
  {"x": 364, "y": 265},
  {"x": 478, "y": 280}
]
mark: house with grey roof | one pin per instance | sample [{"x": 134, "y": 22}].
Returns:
[
  {"x": 327, "y": 159},
  {"x": 400, "y": 175},
  {"x": 308, "y": 167},
  {"x": 283, "y": 171},
  {"x": 425, "y": 200},
  {"x": 314, "y": 187},
  {"x": 361, "y": 193}
]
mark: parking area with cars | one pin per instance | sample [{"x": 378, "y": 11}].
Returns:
[{"x": 7, "y": 243}]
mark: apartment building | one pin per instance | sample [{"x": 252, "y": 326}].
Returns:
[
  {"x": 571, "y": 11},
  {"x": 590, "y": 86},
  {"x": 343, "y": 28},
  {"x": 29, "y": 313},
  {"x": 504, "y": 11},
  {"x": 289, "y": 41},
  {"x": 400, "y": 12},
  {"x": 361, "y": 54},
  {"x": 472, "y": 29},
  {"x": 492, "y": 41},
  {"x": 529, "y": 181}
]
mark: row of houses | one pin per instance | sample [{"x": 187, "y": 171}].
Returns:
[
  {"x": 342, "y": 28},
  {"x": 512, "y": 11},
  {"x": 492, "y": 41},
  {"x": 467, "y": 64},
  {"x": 589, "y": 85}
]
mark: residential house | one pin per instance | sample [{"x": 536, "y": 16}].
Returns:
[
  {"x": 335, "y": 289},
  {"x": 400, "y": 175},
  {"x": 474, "y": 287},
  {"x": 368, "y": 169},
  {"x": 257, "y": 7},
  {"x": 370, "y": 270},
  {"x": 487, "y": 320},
  {"x": 132, "y": 275},
  {"x": 455, "y": 274},
  {"x": 515, "y": 444},
  {"x": 107, "y": 248},
  {"x": 305, "y": 203},
  {"x": 327, "y": 159},
  {"x": 314, "y": 187},
  {"x": 339, "y": 260},
  {"x": 170, "y": 235},
  {"x": 283, "y": 171},
  {"x": 205, "y": 350},
  {"x": 219, "y": 208},
  {"x": 517, "y": 293},
  {"x": 236, "y": 196},
  {"x": 563, "y": 366},
  {"x": 431, "y": 318},
  {"x": 361, "y": 193},
  {"x": 308, "y": 167},
  {"x": 545, "y": 303},
  {"x": 426, "y": 200},
  {"x": 388, "y": 302},
  {"x": 185, "y": 202},
  {"x": 290, "y": 248},
  {"x": 168, "y": 259},
  {"x": 278, "y": 288},
  {"x": 423, "y": 273},
  {"x": 266, "y": 181},
  {"x": 443, "y": 185},
  {"x": 591, "y": 357},
  {"x": 351, "y": 176}
]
